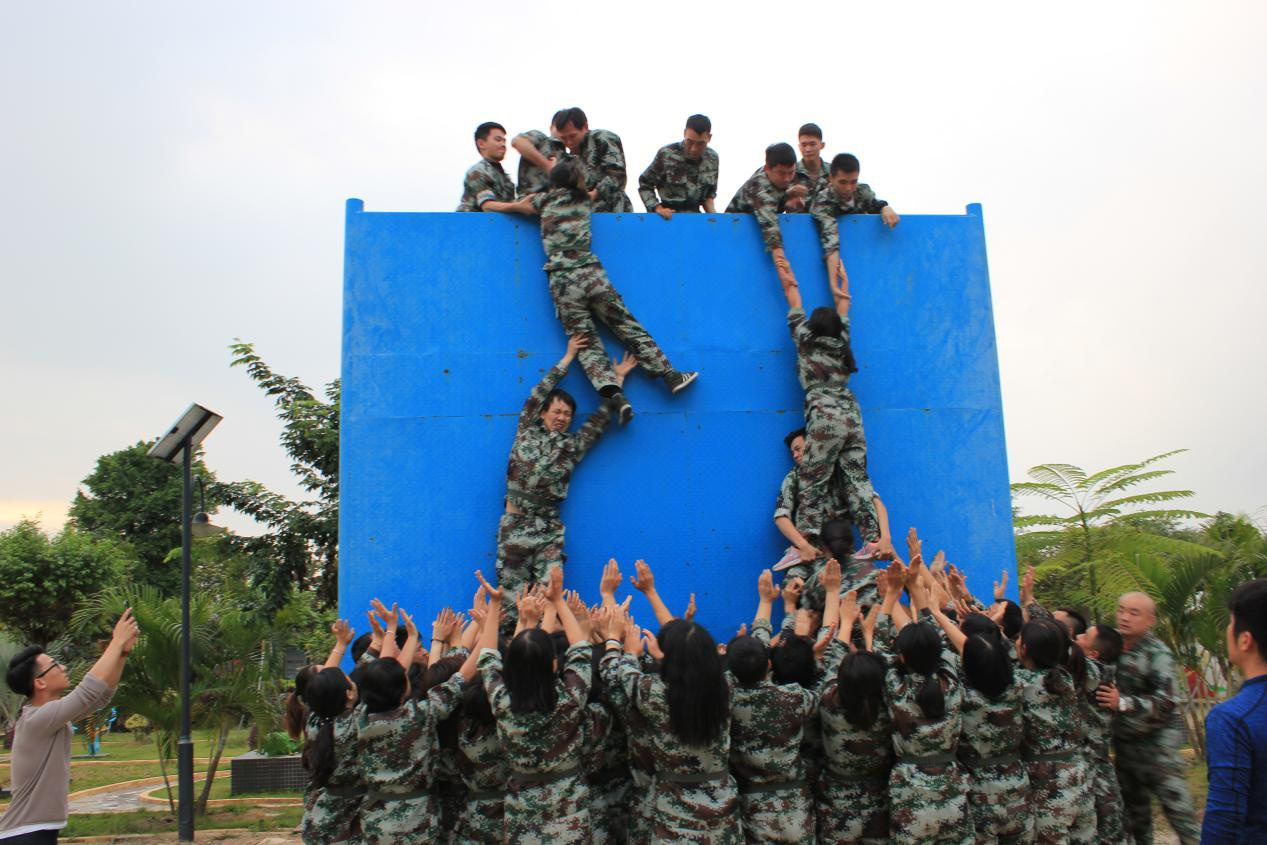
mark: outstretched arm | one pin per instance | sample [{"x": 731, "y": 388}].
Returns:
[
  {"x": 524, "y": 146},
  {"x": 343, "y": 636},
  {"x": 109, "y": 666},
  {"x": 536, "y": 400},
  {"x": 488, "y": 634},
  {"x": 644, "y": 582},
  {"x": 554, "y": 595}
]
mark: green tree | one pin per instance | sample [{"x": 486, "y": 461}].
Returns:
[
  {"x": 302, "y": 544},
  {"x": 1103, "y": 522},
  {"x": 136, "y": 499},
  {"x": 43, "y": 579}
]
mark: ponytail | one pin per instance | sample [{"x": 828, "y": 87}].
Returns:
[
  {"x": 930, "y": 698},
  {"x": 920, "y": 648},
  {"x": 860, "y": 688},
  {"x": 326, "y": 694},
  {"x": 1047, "y": 646},
  {"x": 318, "y": 756}
]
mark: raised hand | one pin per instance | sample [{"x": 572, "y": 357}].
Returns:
[
  {"x": 820, "y": 645},
  {"x": 610, "y": 582},
  {"x": 913, "y": 544},
  {"x": 494, "y": 593},
  {"x": 1027, "y": 587},
  {"x": 624, "y": 367},
  {"x": 690, "y": 609},
  {"x": 442, "y": 627},
  {"x": 644, "y": 581},
  {"x": 766, "y": 589},
  {"x": 554, "y": 586},
  {"x": 343, "y": 632},
  {"x": 388, "y": 616},
  {"x": 1000, "y": 587},
  {"x": 831, "y": 578},
  {"x": 652, "y": 645},
  {"x": 576, "y": 343},
  {"x": 410, "y": 628},
  {"x": 126, "y": 631},
  {"x": 531, "y": 610},
  {"x": 849, "y": 610},
  {"x": 792, "y": 589}
]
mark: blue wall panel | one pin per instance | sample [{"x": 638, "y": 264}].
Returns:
[{"x": 448, "y": 324}]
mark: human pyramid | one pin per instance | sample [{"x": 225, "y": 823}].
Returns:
[{"x": 538, "y": 717}]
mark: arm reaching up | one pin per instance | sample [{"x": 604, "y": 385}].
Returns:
[
  {"x": 644, "y": 582},
  {"x": 343, "y": 636}
]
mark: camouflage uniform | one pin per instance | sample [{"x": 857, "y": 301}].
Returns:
[
  {"x": 852, "y": 797},
  {"x": 815, "y": 184},
  {"x": 330, "y": 813},
  {"x": 450, "y": 793},
  {"x": 581, "y": 291},
  {"x": 532, "y": 179},
  {"x": 1052, "y": 749},
  {"x": 538, "y": 474},
  {"x": 547, "y": 800},
  {"x": 1147, "y": 736},
  {"x": 603, "y": 160},
  {"x": 486, "y": 180},
  {"x": 683, "y": 183},
  {"x": 989, "y": 748},
  {"x": 767, "y": 728},
  {"x": 397, "y": 750},
  {"x": 695, "y": 798},
  {"x": 606, "y": 750},
  {"x": 928, "y": 789},
  {"x": 828, "y": 207},
  {"x": 835, "y": 447},
  {"x": 1110, "y": 814},
  {"x": 641, "y": 760},
  {"x": 483, "y": 768},
  {"x": 760, "y": 198}
]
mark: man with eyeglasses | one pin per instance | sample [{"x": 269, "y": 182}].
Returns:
[
  {"x": 40, "y": 760},
  {"x": 683, "y": 173}
]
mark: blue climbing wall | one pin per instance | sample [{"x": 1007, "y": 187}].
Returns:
[{"x": 448, "y": 325}]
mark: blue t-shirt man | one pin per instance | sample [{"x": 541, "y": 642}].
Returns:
[{"x": 1236, "y": 730}]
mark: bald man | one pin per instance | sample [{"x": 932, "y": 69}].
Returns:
[{"x": 1147, "y": 728}]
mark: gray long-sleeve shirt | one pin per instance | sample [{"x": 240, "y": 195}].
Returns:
[{"x": 41, "y": 759}]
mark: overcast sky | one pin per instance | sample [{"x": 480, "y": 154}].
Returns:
[{"x": 176, "y": 172}]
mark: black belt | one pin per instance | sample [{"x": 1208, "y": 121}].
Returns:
[
  {"x": 987, "y": 762},
  {"x": 372, "y": 795},
  {"x": 681, "y": 205},
  {"x": 608, "y": 775},
  {"x": 1054, "y": 757},
  {"x": 353, "y": 791},
  {"x": 876, "y": 778},
  {"x": 694, "y": 777},
  {"x": 756, "y": 788},
  {"x": 927, "y": 759},
  {"x": 539, "y": 778},
  {"x": 486, "y": 795}
]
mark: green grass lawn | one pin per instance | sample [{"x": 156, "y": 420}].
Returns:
[
  {"x": 126, "y": 747},
  {"x": 140, "y": 821}
]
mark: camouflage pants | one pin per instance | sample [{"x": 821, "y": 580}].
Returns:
[
  {"x": 582, "y": 293},
  {"x": 610, "y": 811},
  {"x": 812, "y": 595},
  {"x": 928, "y": 805},
  {"x": 1148, "y": 768},
  {"x": 482, "y": 822},
  {"x": 556, "y": 813},
  {"x": 696, "y": 813},
  {"x": 852, "y": 811},
  {"x": 641, "y": 807},
  {"x": 778, "y": 816},
  {"x": 999, "y": 801},
  {"x": 834, "y": 467},
  {"x": 1110, "y": 815},
  {"x": 402, "y": 821},
  {"x": 451, "y": 799},
  {"x": 1057, "y": 791},
  {"x": 528, "y": 545},
  {"x": 330, "y": 818}
]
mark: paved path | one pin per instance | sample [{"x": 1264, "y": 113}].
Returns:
[{"x": 116, "y": 801}]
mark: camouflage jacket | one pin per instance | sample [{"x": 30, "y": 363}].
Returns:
[
  {"x": 347, "y": 765},
  {"x": 820, "y": 361},
  {"x": 639, "y": 754},
  {"x": 1052, "y": 723},
  {"x": 1147, "y": 680},
  {"x": 397, "y": 747},
  {"x": 542, "y": 461},
  {"x": 991, "y": 727},
  {"x": 532, "y": 179},
  {"x": 486, "y": 180},
  {"x": 648, "y": 694},
  {"x": 762, "y": 200},
  {"x": 1099, "y": 720},
  {"x": 481, "y": 761},
  {"x": 565, "y": 229},
  {"x": 599, "y": 739},
  {"x": 603, "y": 159},
  {"x": 683, "y": 183},
  {"x": 785, "y": 504},
  {"x": 828, "y": 206},
  {"x": 767, "y": 724},
  {"x": 540, "y": 743},
  {"x": 852, "y": 751},
  {"x": 816, "y": 185},
  {"x": 914, "y": 734}
]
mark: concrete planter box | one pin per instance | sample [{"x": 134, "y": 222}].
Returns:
[{"x": 253, "y": 772}]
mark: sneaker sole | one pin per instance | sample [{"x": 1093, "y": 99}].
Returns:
[
  {"x": 624, "y": 415},
  {"x": 684, "y": 384}
]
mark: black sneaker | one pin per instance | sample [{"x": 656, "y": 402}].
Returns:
[
  {"x": 620, "y": 407},
  {"x": 678, "y": 381}
]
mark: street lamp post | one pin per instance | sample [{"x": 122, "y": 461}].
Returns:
[{"x": 179, "y": 444}]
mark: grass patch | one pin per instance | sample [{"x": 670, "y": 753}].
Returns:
[
  {"x": 143, "y": 822},
  {"x": 126, "y": 747}
]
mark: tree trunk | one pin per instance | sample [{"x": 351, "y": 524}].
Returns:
[
  {"x": 200, "y": 806},
  {"x": 162, "y": 767}
]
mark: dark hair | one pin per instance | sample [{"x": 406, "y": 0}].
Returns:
[
  {"x": 362, "y": 643},
  {"x": 439, "y": 672},
  {"x": 561, "y": 645},
  {"x": 1080, "y": 621},
  {"x": 860, "y": 687},
  {"x": 780, "y": 153},
  {"x": 825, "y": 322},
  {"x": 699, "y": 124},
  {"x": 529, "y": 672},
  {"x": 484, "y": 129},
  {"x": 792, "y": 661},
  {"x": 383, "y": 683},
  {"x": 1013, "y": 619},
  {"x": 837, "y": 537},
  {"x": 327, "y": 696},
  {"x": 475, "y": 704},
  {"x": 845, "y": 163},
  {"x": 978, "y": 624},
  {"x": 747, "y": 658},
  {"x": 696, "y": 687},
  {"x": 567, "y": 176},
  {"x": 294, "y": 715},
  {"x": 573, "y": 115},
  {"x": 560, "y": 394},
  {"x": 792, "y": 435},
  {"x": 920, "y": 647},
  {"x": 21, "y": 674},
  {"x": 987, "y": 667},
  {"x": 1048, "y": 647},
  {"x": 1248, "y": 606},
  {"x": 1108, "y": 643},
  {"x": 810, "y": 129}
]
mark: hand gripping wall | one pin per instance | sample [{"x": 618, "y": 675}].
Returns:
[{"x": 448, "y": 324}]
